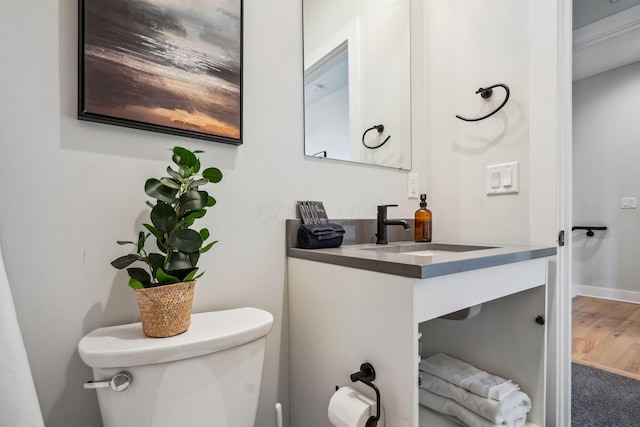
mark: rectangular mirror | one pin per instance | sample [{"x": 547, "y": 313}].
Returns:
[{"x": 357, "y": 81}]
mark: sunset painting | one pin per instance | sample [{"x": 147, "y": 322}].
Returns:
[{"x": 171, "y": 66}]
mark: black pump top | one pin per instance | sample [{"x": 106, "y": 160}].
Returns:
[{"x": 423, "y": 200}]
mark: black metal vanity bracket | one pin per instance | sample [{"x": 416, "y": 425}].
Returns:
[
  {"x": 366, "y": 374},
  {"x": 589, "y": 229}
]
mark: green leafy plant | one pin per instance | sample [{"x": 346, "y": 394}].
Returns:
[{"x": 179, "y": 203}]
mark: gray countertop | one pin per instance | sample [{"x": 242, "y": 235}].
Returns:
[{"x": 393, "y": 259}]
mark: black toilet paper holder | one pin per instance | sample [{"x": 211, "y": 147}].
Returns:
[{"x": 366, "y": 375}]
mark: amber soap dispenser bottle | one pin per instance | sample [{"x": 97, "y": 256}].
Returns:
[{"x": 423, "y": 221}]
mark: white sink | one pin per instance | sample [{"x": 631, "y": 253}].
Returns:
[
  {"x": 426, "y": 253},
  {"x": 425, "y": 249}
]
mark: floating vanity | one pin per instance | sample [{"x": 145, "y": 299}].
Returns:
[{"x": 391, "y": 304}]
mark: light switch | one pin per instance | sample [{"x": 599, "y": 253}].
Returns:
[
  {"x": 507, "y": 178},
  {"x": 502, "y": 178},
  {"x": 495, "y": 179}
]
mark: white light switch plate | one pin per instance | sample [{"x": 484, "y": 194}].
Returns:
[{"x": 502, "y": 178}]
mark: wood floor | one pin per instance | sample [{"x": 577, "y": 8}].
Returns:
[{"x": 606, "y": 335}]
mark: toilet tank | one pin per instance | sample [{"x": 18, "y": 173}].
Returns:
[{"x": 208, "y": 376}]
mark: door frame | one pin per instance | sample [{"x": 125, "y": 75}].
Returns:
[{"x": 564, "y": 265}]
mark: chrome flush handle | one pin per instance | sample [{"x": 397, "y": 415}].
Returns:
[{"x": 120, "y": 382}]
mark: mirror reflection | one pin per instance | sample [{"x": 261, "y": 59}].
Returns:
[{"x": 357, "y": 103}]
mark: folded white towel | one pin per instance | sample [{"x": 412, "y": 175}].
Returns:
[
  {"x": 467, "y": 376},
  {"x": 510, "y": 411},
  {"x": 450, "y": 408}
]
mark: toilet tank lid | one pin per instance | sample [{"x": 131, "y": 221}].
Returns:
[{"x": 126, "y": 345}]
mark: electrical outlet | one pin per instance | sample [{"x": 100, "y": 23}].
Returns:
[
  {"x": 412, "y": 185},
  {"x": 628, "y": 203}
]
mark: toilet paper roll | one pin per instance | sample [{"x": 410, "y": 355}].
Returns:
[{"x": 350, "y": 408}]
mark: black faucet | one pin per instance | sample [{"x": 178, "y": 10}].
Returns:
[{"x": 383, "y": 222}]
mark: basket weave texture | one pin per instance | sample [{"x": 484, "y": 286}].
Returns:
[{"x": 165, "y": 311}]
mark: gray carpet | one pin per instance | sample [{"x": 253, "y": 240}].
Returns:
[{"x": 602, "y": 399}]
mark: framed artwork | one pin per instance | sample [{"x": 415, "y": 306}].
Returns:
[{"x": 171, "y": 66}]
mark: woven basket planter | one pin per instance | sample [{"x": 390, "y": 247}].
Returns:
[{"x": 165, "y": 311}]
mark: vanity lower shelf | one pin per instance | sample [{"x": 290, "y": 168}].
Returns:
[
  {"x": 429, "y": 418},
  {"x": 504, "y": 338}
]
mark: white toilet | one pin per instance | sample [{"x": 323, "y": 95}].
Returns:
[{"x": 207, "y": 376}]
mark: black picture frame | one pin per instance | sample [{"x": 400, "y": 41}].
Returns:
[{"x": 162, "y": 66}]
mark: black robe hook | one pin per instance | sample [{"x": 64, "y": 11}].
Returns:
[{"x": 486, "y": 93}]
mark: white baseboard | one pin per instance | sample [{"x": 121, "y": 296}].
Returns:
[{"x": 606, "y": 293}]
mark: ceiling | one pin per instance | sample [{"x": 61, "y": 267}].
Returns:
[
  {"x": 587, "y": 12},
  {"x": 610, "y": 41}
]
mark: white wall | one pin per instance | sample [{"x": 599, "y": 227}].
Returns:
[
  {"x": 471, "y": 45},
  {"x": 606, "y": 153},
  {"x": 70, "y": 189}
]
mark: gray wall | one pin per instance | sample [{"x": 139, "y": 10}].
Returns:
[{"x": 606, "y": 151}]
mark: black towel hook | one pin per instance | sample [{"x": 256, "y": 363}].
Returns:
[
  {"x": 380, "y": 129},
  {"x": 486, "y": 93}
]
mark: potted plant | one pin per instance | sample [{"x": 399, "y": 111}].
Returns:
[{"x": 164, "y": 287}]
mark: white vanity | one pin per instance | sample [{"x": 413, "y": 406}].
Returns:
[{"x": 366, "y": 303}]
